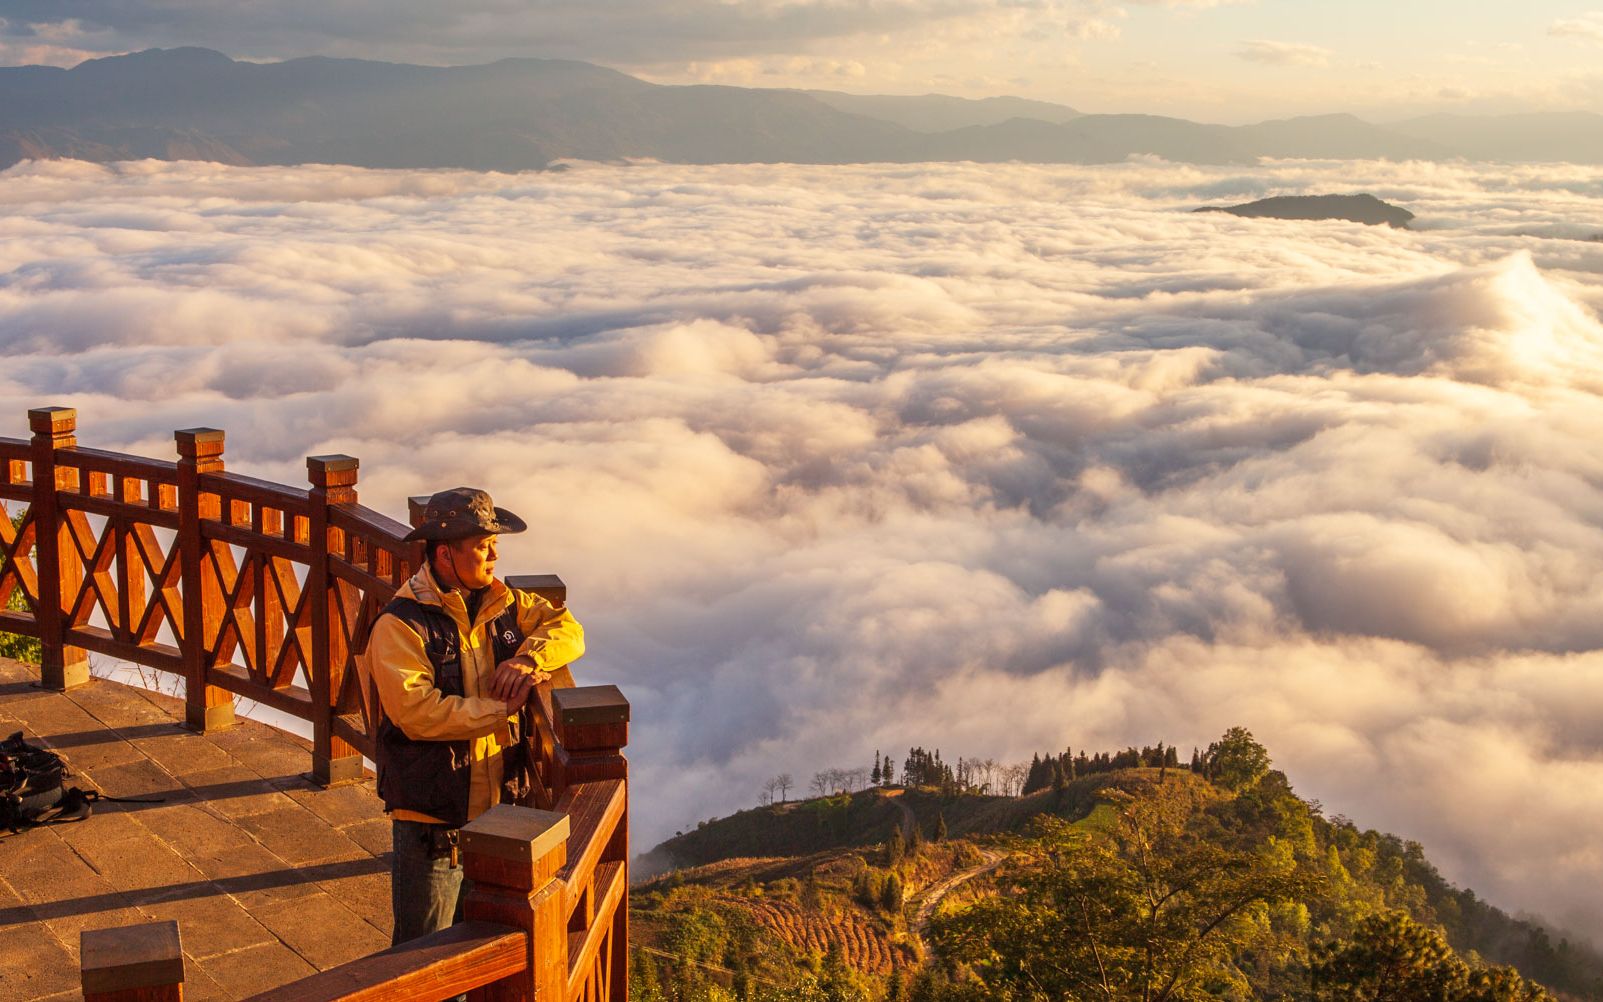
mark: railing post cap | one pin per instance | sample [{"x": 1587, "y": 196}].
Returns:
[
  {"x": 548, "y": 586},
  {"x": 519, "y": 834},
  {"x": 52, "y": 420},
  {"x": 194, "y": 441},
  {"x": 336, "y": 463},
  {"x": 332, "y": 472},
  {"x": 133, "y": 956},
  {"x": 414, "y": 508},
  {"x": 590, "y": 704}
]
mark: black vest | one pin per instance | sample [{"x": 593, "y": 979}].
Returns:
[{"x": 433, "y": 777}]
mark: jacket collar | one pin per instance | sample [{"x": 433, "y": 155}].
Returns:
[{"x": 427, "y": 589}]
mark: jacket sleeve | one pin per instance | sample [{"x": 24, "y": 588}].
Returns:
[
  {"x": 401, "y": 673},
  {"x": 551, "y": 636}
]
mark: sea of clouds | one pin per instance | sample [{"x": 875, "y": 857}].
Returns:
[{"x": 996, "y": 459}]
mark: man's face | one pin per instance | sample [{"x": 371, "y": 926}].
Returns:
[{"x": 472, "y": 561}]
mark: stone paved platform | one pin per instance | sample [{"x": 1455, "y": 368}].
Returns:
[{"x": 269, "y": 876}]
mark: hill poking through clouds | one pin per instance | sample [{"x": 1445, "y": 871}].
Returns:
[
  {"x": 523, "y": 114},
  {"x": 1214, "y": 873}
]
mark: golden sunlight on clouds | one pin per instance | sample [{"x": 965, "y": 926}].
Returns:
[{"x": 990, "y": 458}]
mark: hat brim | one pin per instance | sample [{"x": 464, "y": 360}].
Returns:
[{"x": 505, "y": 524}]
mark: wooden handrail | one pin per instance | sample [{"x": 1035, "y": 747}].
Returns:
[
  {"x": 437, "y": 966},
  {"x": 594, "y": 810}
]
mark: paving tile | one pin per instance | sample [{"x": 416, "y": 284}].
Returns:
[
  {"x": 182, "y": 752},
  {"x": 199, "y": 986},
  {"x": 138, "y": 863},
  {"x": 340, "y": 805},
  {"x": 59, "y": 886},
  {"x": 143, "y": 779},
  {"x": 299, "y": 836},
  {"x": 254, "y": 876},
  {"x": 69, "y": 927},
  {"x": 236, "y": 791},
  {"x": 16, "y": 690},
  {"x": 368, "y": 895},
  {"x": 191, "y": 830},
  {"x": 372, "y": 835},
  {"x": 210, "y": 923},
  {"x": 109, "y": 703},
  {"x": 36, "y": 965},
  {"x": 258, "y": 968},
  {"x": 322, "y": 931},
  {"x": 88, "y": 752},
  {"x": 44, "y": 717},
  {"x": 268, "y": 752},
  {"x": 14, "y": 908}
]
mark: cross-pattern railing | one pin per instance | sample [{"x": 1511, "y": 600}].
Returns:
[{"x": 247, "y": 588}]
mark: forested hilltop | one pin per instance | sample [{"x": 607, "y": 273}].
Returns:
[{"x": 1136, "y": 875}]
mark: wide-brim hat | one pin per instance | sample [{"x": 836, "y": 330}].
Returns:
[{"x": 461, "y": 512}]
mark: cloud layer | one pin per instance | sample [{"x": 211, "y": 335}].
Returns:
[
  {"x": 994, "y": 459},
  {"x": 632, "y": 32}
]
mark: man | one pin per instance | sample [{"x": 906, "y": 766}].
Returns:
[{"x": 453, "y": 658}]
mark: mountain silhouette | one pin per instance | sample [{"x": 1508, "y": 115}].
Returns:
[
  {"x": 1366, "y": 209},
  {"x": 522, "y": 114}
]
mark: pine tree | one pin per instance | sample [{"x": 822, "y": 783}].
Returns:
[
  {"x": 895, "y": 847},
  {"x": 891, "y": 894},
  {"x": 874, "y": 775}
]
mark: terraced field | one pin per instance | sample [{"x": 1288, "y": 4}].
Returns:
[{"x": 866, "y": 945}]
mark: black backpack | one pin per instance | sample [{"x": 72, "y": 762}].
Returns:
[{"x": 31, "y": 792}]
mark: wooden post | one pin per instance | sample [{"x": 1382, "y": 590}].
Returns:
[
  {"x": 333, "y": 480},
  {"x": 592, "y": 727},
  {"x": 59, "y": 568},
  {"x": 512, "y": 855},
  {"x": 548, "y": 586},
  {"x": 136, "y": 963},
  {"x": 206, "y": 707}
]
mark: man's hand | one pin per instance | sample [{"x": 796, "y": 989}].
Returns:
[{"x": 513, "y": 680}]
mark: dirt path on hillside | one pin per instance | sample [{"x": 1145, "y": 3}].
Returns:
[
  {"x": 931, "y": 898},
  {"x": 909, "y": 822}
]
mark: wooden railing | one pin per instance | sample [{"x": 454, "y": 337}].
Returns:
[{"x": 253, "y": 589}]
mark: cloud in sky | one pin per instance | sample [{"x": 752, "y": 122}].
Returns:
[
  {"x": 1588, "y": 27},
  {"x": 629, "y": 32},
  {"x": 994, "y": 459},
  {"x": 1283, "y": 53}
]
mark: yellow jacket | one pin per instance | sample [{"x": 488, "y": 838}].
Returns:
[{"x": 398, "y": 669}]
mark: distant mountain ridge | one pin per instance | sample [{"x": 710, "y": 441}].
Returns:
[{"x": 522, "y": 114}]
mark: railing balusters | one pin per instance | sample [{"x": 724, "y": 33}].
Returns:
[
  {"x": 130, "y": 568},
  {"x": 60, "y": 571},
  {"x": 333, "y": 481},
  {"x": 569, "y": 908},
  {"x": 206, "y": 707}
]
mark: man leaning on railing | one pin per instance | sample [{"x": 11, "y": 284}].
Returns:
[{"x": 453, "y": 658}]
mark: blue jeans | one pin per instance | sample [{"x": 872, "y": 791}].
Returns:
[{"x": 425, "y": 893}]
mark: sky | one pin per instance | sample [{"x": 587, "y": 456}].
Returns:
[
  {"x": 1227, "y": 61},
  {"x": 994, "y": 459}
]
